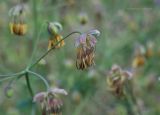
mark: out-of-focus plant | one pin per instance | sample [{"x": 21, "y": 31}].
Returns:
[
  {"x": 142, "y": 53},
  {"x": 118, "y": 82}
]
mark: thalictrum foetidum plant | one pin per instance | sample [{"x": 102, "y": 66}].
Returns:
[{"x": 50, "y": 100}]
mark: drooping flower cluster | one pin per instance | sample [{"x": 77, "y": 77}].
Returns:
[
  {"x": 116, "y": 79},
  {"x": 54, "y": 28},
  {"x": 85, "y": 45},
  {"x": 50, "y": 101},
  {"x": 18, "y": 25}
]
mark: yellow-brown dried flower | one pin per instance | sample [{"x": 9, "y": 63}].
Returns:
[
  {"x": 18, "y": 28},
  {"x": 85, "y": 45},
  {"x": 53, "y": 42},
  {"x": 149, "y": 49},
  {"x": 139, "y": 57},
  {"x": 18, "y": 25}
]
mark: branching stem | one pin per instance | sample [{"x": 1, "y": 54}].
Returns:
[
  {"x": 46, "y": 53},
  {"x": 28, "y": 84}
]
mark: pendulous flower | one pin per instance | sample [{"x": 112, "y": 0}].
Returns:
[
  {"x": 116, "y": 79},
  {"x": 50, "y": 101},
  {"x": 18, "y": 25},
  {"x": 85, "y": 45},
  {"x": 54, "y": 28}
]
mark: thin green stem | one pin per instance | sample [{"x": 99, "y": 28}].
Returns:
[
  {"x": 51, "y": 49},
  {"x": 129, "y": 105},
  {"x": 36, "y": 44},
  {"x": 33, "y": 112},
  {"x": 130, "y": 100},
  {"x": 34, "y": 8},
  {"x": 11, "y": 76},
  {"x": 35, "y": 23},
  {"x": 41, "y": 77},
  {"x": 14, "y": 74},
  {"x": 133, "y": 98},
  {"x": 28, "y": 84},
  {"x": 7, "y": 78}
]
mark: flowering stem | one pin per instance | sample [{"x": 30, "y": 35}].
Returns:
[
  {"x": 41, "y": 77},
  {"x": 27, "y": 71},
  {"x": 51, "y": 49},
  {"x": 6, "y": 78},
  {"x": 35, "y": 14},
  {"x": 131, "y": 100},
  {"x": 13, "y": 75},
  {"x": 28, "y": 84},
  {"x": 129, "y": 105}
]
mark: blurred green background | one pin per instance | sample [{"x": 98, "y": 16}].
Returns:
[{"x": 123, "y": 25}]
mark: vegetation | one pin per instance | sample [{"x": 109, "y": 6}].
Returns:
[{"x": 73, "y": 57}]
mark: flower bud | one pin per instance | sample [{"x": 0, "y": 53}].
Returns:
[
  {"x": 83, "y": 18},
  {"x": 54, "y": 28},
  {"x": 8, "y": 91}
]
